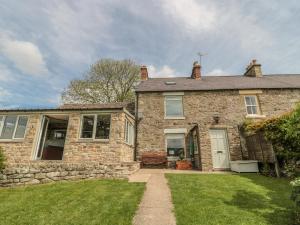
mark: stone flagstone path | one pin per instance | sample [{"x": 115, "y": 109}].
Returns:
[{"x": 156, "y": 207}]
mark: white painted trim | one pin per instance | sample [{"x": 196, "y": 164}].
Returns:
[
  {"x": 15, "y": 128},
  {"x": 257, "y": 105},
  {"x": 174, "y": 118},
  {"x": 175, "y": 131},
  {"x": 173, "y": 93},
  {"x": 250, "y": 92}
]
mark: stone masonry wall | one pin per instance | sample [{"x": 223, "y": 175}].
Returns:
[
  {"x": 200, "y": 107},
  {"x": 76, "y": 150},
  {"x": 40, "y": 172}
]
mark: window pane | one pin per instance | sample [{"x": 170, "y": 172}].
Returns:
[
  {"x": 8, "y": 127},
  {"x": 175, "y": 147},
  {"x": 87, "y": 127},
  {"x": 253, "y": 100},
  {"x": 21, "y": 127},
  {"x": 254, "y": 109},
  {"x": 103, "y": 127},
  {"x": 248, "y": 100},
  {"x": 174, "y": 106}
]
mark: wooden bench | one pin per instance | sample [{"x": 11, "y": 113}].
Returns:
[{"x": 154, "y": 160}]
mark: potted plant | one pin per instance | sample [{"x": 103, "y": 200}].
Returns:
[{"x": 183, "y": 164}]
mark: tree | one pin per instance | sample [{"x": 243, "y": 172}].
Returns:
[{"x": 107, "y": 81}]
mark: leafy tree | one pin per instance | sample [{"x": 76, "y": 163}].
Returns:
[{"x": 107, "y": 81}]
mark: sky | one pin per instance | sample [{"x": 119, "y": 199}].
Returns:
[{"x": 46, "y": 44}]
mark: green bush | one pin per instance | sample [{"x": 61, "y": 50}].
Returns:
[
  {"x": 296, "y": 198},
  {"x": 2, "y": 159},
  {"x": 283, "y": 132}
]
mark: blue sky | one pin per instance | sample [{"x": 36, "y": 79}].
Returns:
[{"x": 45, "y": 44}]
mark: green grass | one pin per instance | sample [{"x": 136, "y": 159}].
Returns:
[
  {"x": 105, "y": 202},
  {"x": 220, "y": 199}
]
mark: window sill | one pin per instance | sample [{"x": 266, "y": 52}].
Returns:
[
  {"x": 81, "y": 140},
  {"x": 175, "y": 118},
  {"x": 11, "y": 140},
  {"x": 255, "y": 116}
]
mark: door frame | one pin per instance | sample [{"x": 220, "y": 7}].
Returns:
[{"x": 227, "y": 147}]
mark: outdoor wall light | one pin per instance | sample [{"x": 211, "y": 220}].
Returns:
[{"x": 216, "y": 118}]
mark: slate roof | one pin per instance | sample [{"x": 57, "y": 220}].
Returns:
[
  {"x": 72, "y": 107},
  {"x": 238, "y": 82}
]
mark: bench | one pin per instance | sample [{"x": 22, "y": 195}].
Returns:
[{"x": 154, "y": 160}]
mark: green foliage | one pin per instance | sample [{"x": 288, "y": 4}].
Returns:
[
  {"x": 266, "y": 170},
  {"x": 296, "y": 197},
  {"x": 282, "y": 131},
  {"x": 2, "y": 159},
  {"x": 107, "y": 81}
]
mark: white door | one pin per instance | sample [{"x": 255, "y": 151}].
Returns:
[{"x": 219, "y": 149}]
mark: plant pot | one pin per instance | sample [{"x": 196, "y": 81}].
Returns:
[{"x": 183, "y": 165}]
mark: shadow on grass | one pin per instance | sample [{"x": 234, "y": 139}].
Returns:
[{"x": 274, "y": 205}]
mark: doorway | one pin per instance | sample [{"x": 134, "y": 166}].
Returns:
[
  {"x": 219, "y": 149},
  {"x": 52, "y": 137}
]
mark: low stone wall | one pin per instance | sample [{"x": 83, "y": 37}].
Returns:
[{"x": 45, "y": 172}]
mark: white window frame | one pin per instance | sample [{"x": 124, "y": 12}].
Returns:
[
  {"x": 15, "y": 128},
  {"x": 129, "y": 133},
  {"x": 257, "y": 105},
  {"x": 175, "y": 136},
  {"x": 93, "y": 138},
  {"x": 175, "y": 95}
]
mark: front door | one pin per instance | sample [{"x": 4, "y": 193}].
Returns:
[{"x": 219, "y": 148}]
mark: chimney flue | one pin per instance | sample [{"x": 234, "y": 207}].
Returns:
[
  {"x": 253, "y": 69},
  {"x": 144, "y": 73},
  {"x": 196, "y": 72}
]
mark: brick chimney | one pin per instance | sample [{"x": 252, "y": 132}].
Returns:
[
  {"x": 196, "y": 73},
  {"x": 253, "y": 69},
  {"x": 144, "y": 73}
]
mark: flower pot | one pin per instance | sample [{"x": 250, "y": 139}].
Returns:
[{"x": 183, "y": 165}]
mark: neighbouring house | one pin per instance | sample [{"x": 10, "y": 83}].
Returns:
[
  {"x": 199, "y": 116},
  {"x": 70, "y": 142}
]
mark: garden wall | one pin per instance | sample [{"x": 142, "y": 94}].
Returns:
[{"x": 45, "y": 172}]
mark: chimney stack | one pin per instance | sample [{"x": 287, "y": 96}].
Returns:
[
  {"x": 196, "y": 73},
  {"x": 144, "y": 73},
  {"x": 253, "y": 69}
]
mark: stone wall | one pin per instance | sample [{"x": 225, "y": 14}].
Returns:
[
  {"x": 200, "y": 107},
  {"x": 76, "y": 150},
  {"x": 40, "y": 172}
]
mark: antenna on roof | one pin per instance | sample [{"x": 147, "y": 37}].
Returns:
[{"x": 201, "y": 54}]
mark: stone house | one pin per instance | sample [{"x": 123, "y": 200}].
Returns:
[
  {"x": 70, "y": 142},
  {"x": 198, "y": 116}
]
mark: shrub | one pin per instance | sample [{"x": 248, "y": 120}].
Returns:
[
  {"x": 296, "y": 198},
  {"x": 283, "y": 132},
  {"x": 2, "y": 159}
]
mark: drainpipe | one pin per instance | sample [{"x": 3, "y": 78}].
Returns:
[{"x": 136, "y": 126}]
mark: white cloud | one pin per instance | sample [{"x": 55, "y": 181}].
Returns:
[
  {"x": 216, "y": 72},
  {"x": 4, "y": 92},
  {"x": 26, "y": 56},
  {"x": 5, "y": 73},
  {"x": 165, "y": 71},
  {"x": 192, "y": 15}
]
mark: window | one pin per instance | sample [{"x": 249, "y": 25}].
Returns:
[
  {"x": 13, "y": 127},
  {"x": 129, "y": 133},
  {"x": 251, "y": 105},
  {"x": 173, "y": 106},
  {"x": 95, "y": 126},
  {"x": 175, "y": 144}
]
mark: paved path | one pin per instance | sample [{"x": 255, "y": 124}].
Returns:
[{"x": 156, "y": 206}]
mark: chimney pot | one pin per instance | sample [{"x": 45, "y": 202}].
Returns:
[
  {"x": 196, "y": 72},
  {"x": 253, "y": 69},
  {"x": 144, "y": 73}
]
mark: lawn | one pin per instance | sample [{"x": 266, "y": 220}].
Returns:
[
  {"x": 103, "y": 202},
  {"x": 220, "y": 199}
]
